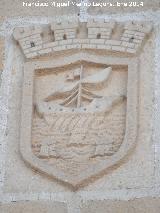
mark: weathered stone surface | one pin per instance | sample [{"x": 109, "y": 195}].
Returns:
[
  {"x": 33, "y": 42},
  {"x": 120, "y": 6},
  {"x": 18, "y": 8},
  {"x": 31, "y": 206},
  {"x": 51, "y": 146},
  {"x": 43, "y": 150},
  {"x": 15, "y": 8},
  {"x": 2, "y": 52},
  {"x": 141, "y": 205}
]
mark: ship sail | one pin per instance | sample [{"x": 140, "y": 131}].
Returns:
[
  {"x": 98, "y": 80},
  {"x": 79, "y": 91},
  {"x": 62, "y": 92}
]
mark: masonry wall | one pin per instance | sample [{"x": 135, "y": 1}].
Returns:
[
  {"x": 133, "y": 187},
  {"x": 15, "y": 8}
]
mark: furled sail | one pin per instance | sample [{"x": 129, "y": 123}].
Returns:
[
  {"x": 98, "y": 80},
  {"x": 80, "y": 90}
]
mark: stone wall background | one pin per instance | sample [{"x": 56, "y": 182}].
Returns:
[
  {"x": 133, "y": 187},
  {"x": 14, "y": 8}
]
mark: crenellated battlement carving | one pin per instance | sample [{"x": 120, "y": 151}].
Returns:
[
  {"x": 65, "y": 30},
  {"x": 29, "y": 37},
  {"x": 142, "y": 27},
  {"x": 135, "y": 33},
  {"x": 98, "y": 29},
  {"x": 98, "y": 35}
]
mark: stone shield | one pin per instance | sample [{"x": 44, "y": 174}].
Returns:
[{"x": 79, "y": 115}]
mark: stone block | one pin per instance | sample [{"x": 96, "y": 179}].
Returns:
[
  {"x": 45, "y": 51},
  {"x": 51, "y": 44},
  {"x": 71, "y": 46},
  {"x": 21, "y": 32},
  {"x": 137, "y": 41},
  {"x": 101, "y": 47},
  {"x": 105, "y": 37},
  {"x": 139, "y": 26},
  {"x": 81, "y": 41},
  {"x": 100, "y": 24},
  {"x": 64, "y": 25},
  {"x": 123, "y": 38},
  {"x": 88, "y": 46},
  {"x": 113, "y": 42},
  {"x": 36, "y": 48},
  {"x": 68, "y": 41},
  {"x": 92, "y": 36},
  {"x": 33, "y": 206},
  {"x": 65, "y": 34},
  {"x": 59, "y": 48},
  {"x": 31, "y": 55},
  {"x": 78, "y": 128},
  {"x": 141, "y": 205},
  {"x": 130, "y": 50},
  {"x": 2, "y": 53},
  {"x": 118, "y": 48},
  {"x": 97, "y": 41},
  {"x": 128, "y": 44}
]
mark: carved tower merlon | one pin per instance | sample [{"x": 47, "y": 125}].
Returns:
[
  {"x": 100, "y": 29},
  {"x": 28, "y": 37},
  {"x": 65, "y": 30},
  {"x": 127, "y": 38},
  {"x": 136, "y": 33}
]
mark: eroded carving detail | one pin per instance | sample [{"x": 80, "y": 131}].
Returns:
[
  {"x": 83, "y": 119},
  {"x": 96, "y": 34},
  {"x": 82, "y": 106}
]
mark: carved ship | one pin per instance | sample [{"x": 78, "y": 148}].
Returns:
[
  {"x": 74, "y": 123},
  {"x": 78, "y": 92}
]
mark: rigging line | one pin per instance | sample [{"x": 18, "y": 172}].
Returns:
[
  {"x": 80, "y": 88},
  {"x": 56, "y": 94},
  {"x": 69, "y": 98},
  {"x": 87, "y": 97},
  {"x": 87, "y": 92},
  {"x": 72, "y": 101}
]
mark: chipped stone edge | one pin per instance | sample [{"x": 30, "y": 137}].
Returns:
[{"x": 6, "y": 30}]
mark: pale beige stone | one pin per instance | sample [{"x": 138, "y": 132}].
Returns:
[
  {"x": 89, "y": 46},
  {"x": 100, "y": 24},
  {"x": 56, "y": 151},
  {"x": 141, "y": 205},
  {"x": 45, "y": 51},
  {"x": 52, "y": 44},
  {"x": 65, "y": 30},
  {"x": 2, "y": 52},
  {"x": 97, "y": 41},
  {"x": 130, "y": 8},
  {"x": 62, "y": 148},
  {"x": 112, "y": 42},
  {"x": 31, "y": 206},
  {"x": 78, "y": 115},
  {"x": 118, "y": 48},
  {"x": 128, "y": 44},
  {"x": 141, "y": 26},
  {"x": 31, "y": 39},
  {"x": 16, "y": 9},
  {"x": 31, "y": 55},
  {"x": 129, "y": 50}
]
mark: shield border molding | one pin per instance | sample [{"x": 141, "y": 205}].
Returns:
[{"x": 130, "y": 137}]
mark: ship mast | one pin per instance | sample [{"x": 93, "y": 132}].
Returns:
[{"x": 80, "y": 88}]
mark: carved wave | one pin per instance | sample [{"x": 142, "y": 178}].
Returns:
[{"x": 79, "y": 136}]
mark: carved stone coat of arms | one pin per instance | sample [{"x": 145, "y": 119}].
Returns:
[{"x": 79, "y": 112}]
